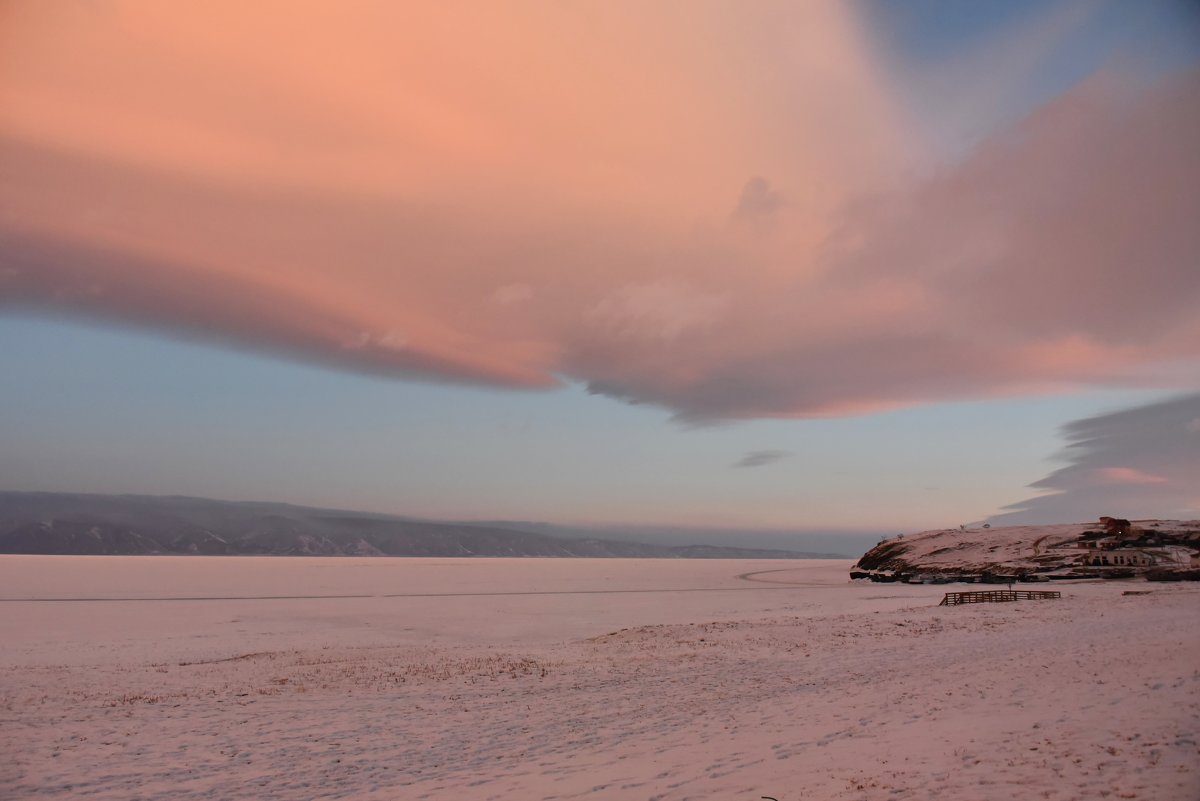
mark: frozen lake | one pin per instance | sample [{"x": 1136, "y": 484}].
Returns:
[
  {"x": 100, "y": 608},
  {"x": 289, "y": 679}
]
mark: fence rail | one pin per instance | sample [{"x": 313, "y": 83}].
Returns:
[{"x": 997, "y": 596}]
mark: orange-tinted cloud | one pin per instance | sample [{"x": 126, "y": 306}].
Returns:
[{"x": 701, "y": 206}]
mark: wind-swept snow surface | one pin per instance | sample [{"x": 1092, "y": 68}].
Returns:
[{"x": 556, "y": 679}]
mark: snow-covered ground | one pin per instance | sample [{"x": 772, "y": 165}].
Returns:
[{"x": 547, "y": 678}]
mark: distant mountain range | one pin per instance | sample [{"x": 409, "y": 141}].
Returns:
[{"x": 59, "y": 523}]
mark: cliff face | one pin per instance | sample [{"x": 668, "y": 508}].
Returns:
[{"x": 1028, "y": 553}]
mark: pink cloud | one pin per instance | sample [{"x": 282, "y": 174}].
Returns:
[
  {"x": 695, "y": 216},
  {"x": 1127, "y": 475}
]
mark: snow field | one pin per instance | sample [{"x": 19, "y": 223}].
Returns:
[{"x": 791, "y": 683}]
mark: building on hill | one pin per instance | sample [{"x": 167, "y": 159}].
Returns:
[
  {"x": 1166, "y": 556},
  {"x": 1123, "y": 557}
]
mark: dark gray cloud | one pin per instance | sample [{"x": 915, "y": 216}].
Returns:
[
  {"x": 1142, "y": 462},
  {"x": 760, "y": 458}
]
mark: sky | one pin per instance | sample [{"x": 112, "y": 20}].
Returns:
[{"x": 840, "y": 267}]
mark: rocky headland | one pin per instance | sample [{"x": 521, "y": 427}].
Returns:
[{"x": 1110, "y": 548}]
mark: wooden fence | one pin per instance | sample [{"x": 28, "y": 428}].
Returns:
[{"x": 996, "y": 596}]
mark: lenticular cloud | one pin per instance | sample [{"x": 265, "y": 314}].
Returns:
[
  {"x": 1135, "y": 463},
  {"x": 717, "y": 230}
]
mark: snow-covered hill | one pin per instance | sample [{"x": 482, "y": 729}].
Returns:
[{"x": 1030, "y": 552}]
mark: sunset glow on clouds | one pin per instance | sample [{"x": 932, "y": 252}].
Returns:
[
  {"x": 725, "y": 210},
  {"x": 1128, "y": 475},
  {"x": 725, "y": 218}
]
